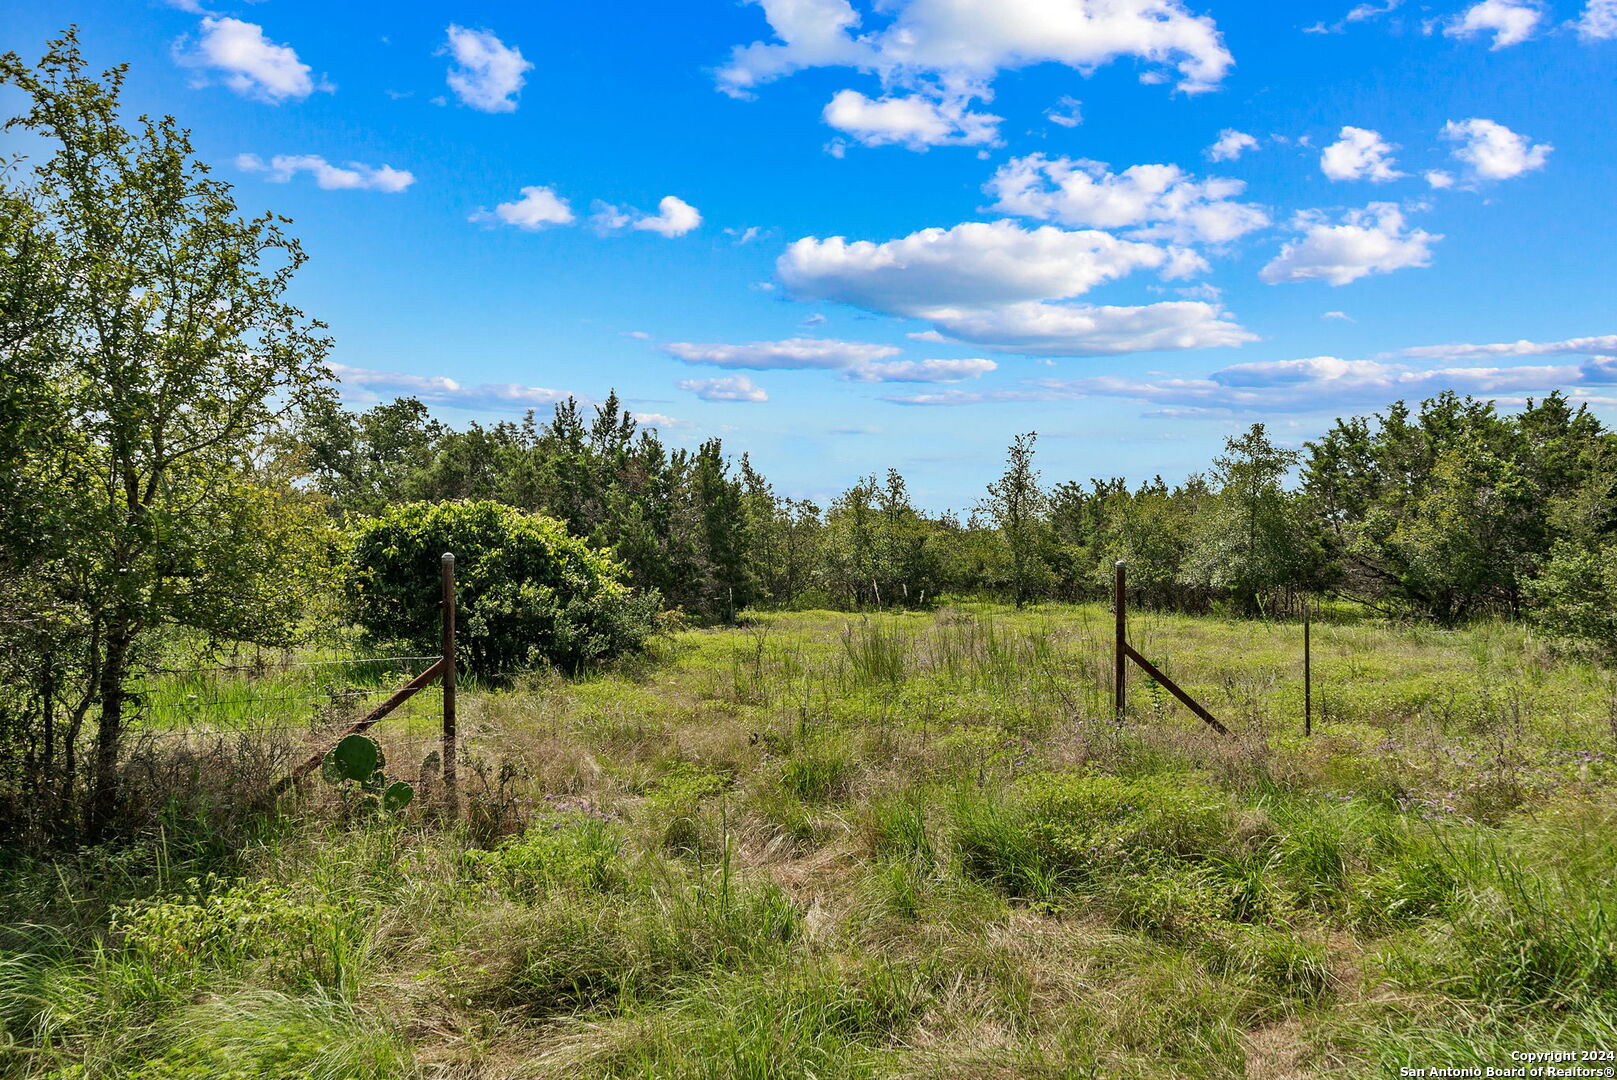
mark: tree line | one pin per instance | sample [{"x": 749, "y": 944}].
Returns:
[{"x": 1447, "y": 510}]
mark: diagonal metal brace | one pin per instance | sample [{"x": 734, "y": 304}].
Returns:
[
  {"x": 405, "y": 693},
  {"x": 1173, "y": 688}
]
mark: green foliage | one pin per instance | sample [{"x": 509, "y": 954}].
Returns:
[
  {"x": 1575, "y": 599},
  {"x": 568, "y": 851},
  {"x": 213, "y": 924},
  {"x": 528, "y": 593}
]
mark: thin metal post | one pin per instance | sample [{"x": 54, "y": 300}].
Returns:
[
  {"x": 1308, "y": 673},
  {"x": 1119, "y": 677},
  {"x": 451, "y": 776}
]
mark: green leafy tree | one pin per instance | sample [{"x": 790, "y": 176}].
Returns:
[
  {"x": 1255, "y": 540},
  {"x": 163, "y": 326},
  {"x": 1018, "y": 507}
]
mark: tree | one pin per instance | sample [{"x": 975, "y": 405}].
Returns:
[
  {"x": 1017, "y": 504},
  {"x": 165, "y": 329},
  {"x": 1255, "y": 539}
]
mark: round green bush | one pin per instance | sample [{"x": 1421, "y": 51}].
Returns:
[{"x": 528, "y": 594}]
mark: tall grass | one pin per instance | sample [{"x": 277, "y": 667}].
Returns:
[{"x": 858, "y": 846}]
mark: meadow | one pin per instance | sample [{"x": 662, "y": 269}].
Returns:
[{"x": 824, "y": 845}]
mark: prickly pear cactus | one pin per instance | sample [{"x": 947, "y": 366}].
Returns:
[{"x": 359, "y": 759}]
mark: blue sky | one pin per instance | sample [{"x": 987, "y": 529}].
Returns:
[{"x": 845, "y": 237}]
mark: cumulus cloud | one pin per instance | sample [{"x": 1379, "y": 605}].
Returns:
[
  {"x": 991, "y": 284},
  {"x": 1374, "y": 240},
  {"x": 791, "y": 354},
  {"x": 1316, "y": 384},
  {"x": 1491, "y": 151},
  {"x": 909, "y": 120},
  {"x": 365, "y": 384},
  {"x": 250, "y": 63},
  {"x": 487, "y": 74},
  {"x": 1598, "y": 21},
  {"x": 1230, "y": 145},
  {"x": 674, "y": 217},
  {"x": 1359, "y": 154},
  {"x": 949, "y": 52},
  {"x": 352, "y": 177},
  {"x": 1599, "y": 345},
  {"x": 1157, "y": 201},
  {"x": 953, "y": 42},
  {"x": 1510, "y": 21},
  {"x": 730, "y": 388},
  {"x": 538, "y": 207},
  {"x": 974, "y": 264}
]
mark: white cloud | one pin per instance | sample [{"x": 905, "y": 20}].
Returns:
[
  {"x": 730, "y": 388},
  {"x": 1043, "y": 329},
  {"x": 1159, "y": 201},
  {"x": 791, "y": 354},
  {"x": 1068, "y": 111},
  {"x": 1598, "y": 21},
  {"x": 1439, "y": 179},
  {"x": 1319, "y": 384},
  {"x": 1339, "y": 315},
  {"x": 953, "y": 42},
  {"x": 1230, "y": 145},
  {"x": 364, "y": 384},
  {"x": 950, "y": 52},
  {"x": 250, "y": 63},
  {"x": 1510, "y": 21},
  {"x": 1374, "y": 240},
  {"x": 988, "y": 284},
  {"x": 1599, "y": 345},
  {"x": 487, "y": 74},
  {"x": 910, "y": 120},
  {"x": 922, "y": 371},
  {"x": 353, "y": 177},
  {"x": 975, "y": 264},
  {"x": 1358, "y": 13},
  {"x": 1359, "y": 154},
  {"x": 857, "y": 360},
  {"x": 538, "y": 207},
  {"x": 674, "y": 217},
  {"x": 1491, "y": 151}
]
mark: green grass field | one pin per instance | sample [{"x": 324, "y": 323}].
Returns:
[{"x": 830, "y": 846}]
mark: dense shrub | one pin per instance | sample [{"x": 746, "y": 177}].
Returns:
[
  {"x": 1576, "y": 599},
  {"x": 528, "y": 593}
]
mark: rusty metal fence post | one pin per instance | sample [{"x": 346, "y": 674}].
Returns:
[
  {"x": 1119, "y": 677},
  {"x": 451, "y": 775},
  {"x": 1308, "y": 672}
]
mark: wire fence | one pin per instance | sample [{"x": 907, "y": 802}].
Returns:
[{"x": 290, "y": 706}]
